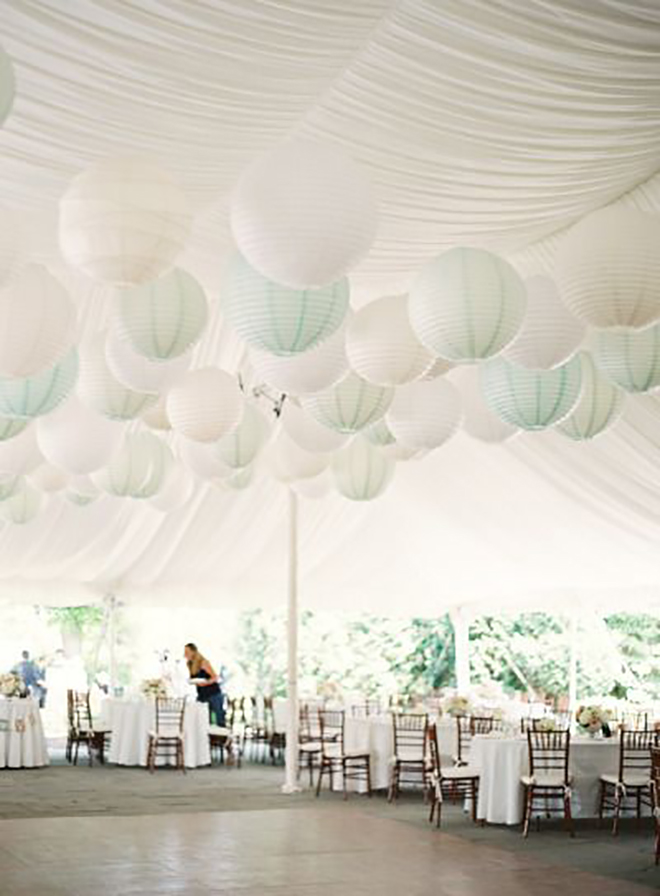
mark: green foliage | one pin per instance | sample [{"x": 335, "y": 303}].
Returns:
[{"x": 78, "y": 619}]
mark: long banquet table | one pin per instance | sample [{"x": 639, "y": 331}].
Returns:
[{"x": 22, "y": 740}]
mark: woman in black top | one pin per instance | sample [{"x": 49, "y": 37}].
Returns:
[{"x": 208, "y": 689}]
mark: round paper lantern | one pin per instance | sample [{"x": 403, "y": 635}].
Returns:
[
  {"x": 9, "y": 485},
  {"x": 381, "y": 345},
  {"x": 608, "y": 268},
  {"x": 351, "y": 405},
  {"x": 317, "y": 487},
  {"x": 37, "y": 322},
  {"x": 242, "y": 446},
  {"x": 11, "y": 426},
  {"x": 82, "y": 491},
  {"x": 77, "y": 439},
  {"x": 123, "y": 221},
  {"x": 101, "y": 391},
  {"x": 156, "y": 417},
  {"x": 164, "y": 318},
  {"x": 630, "y": 358},
  {"x": 21, "y": 454},
  {"x": 13, "y": 250},
  {"x": 47, "y": 478},
  {"x": 479, "y": 421},
  {"x": 134, "y": 371},
  {"x": 308, "y": 433},
  {"x": 23, "y": 505},
  {"x": 177, "y": 490},
  {"x": 315, "y": 370},
  {"x": 205, "y": 405},
  {"x": 399, "y": 452},
  {"x": 467, "y": 304},
  {"x": 439, "y": 368},
  {"x": 379, "y": 434},
  {"x": 203, "y": 460},
  {"x": 304, "y": 214},
  {"x": 139, "y": 469},
  {"x": 361, "y": 472},
  {"x": 531, "y": 399},
  {"x": 40, "y": 394},
  {"x": 7, "y": 85},
  {"x": 550, "y": 333},
  {"x": 425, "y": 414},
  {"x": 278, "y": 319},
  {"x": 288, "y": 462},
  {"x": 599, "y": 406}
]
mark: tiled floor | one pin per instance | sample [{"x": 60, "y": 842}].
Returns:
[{"x": 337, "y": 850}]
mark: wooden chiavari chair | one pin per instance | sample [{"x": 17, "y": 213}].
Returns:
[
  {"x": 409, "y": 764},
  {"x": 366, "y": 709},
  {"x": 166, "y": 739},
  {"x": 81, "y": 728},
  {"x": 352, "y": 765},
  {"x": 548, "y": 780},
  {"x": 655, "y": 795},
  {"x": 309, "y": 744},
  {"x": 467, "y": 728},
  {"x": 633, "y": 781},
  {"x": 455, "y": 781}
]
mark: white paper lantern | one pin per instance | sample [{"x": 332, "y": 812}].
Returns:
[
  {"x": 630, "y": 358},
  {"x": 315, "y": 370},
  {"x": 550, "y": 333},
  {"x": 425, "y": 414},
  {"x": 135, "y": 372},
  {"x": 307, "y": 432},
  {"x": 102, "y": 392},
  {"x": 467, "y": 304},
  {"x": 288, "y": 462},
  {"x": 21, "y": 454},
  {"x": 379, "y": 434},
  {"x": 7, "y": 85},
  {"x": 479, "y": 421},
  {"x": 439, "y": 368},
  {"x": 203, "y": 460},
  {"x": 77, "y": 439},
  {"x": 400, "y": 452},
  {"x": 608, "y": 268},
  {"x": 304, "y": 214},
  {"x": 11, "y": 426},
  {"x": 23, "y": 506},
  {"x": 162, "y": 319},
  {"x": 242, "y": 446},
  {"x": 361, "y": 472},
  {"x": 40, "y": 394},
  {"x": 531, "y": 399},
  {"x": 47, "y": 478},
  {"x": 351, "y": 405},
  {"x": 205, "y": 405},
  {"x": 279, "y": 319},
  {"x": 13, "y": 250},
  {"x": 139, "y": 469},
  {"x": 599, "y": 406},
  {"x": 316, "y": 488},
  {"x": 156, "y": 417},
  {"x": 123, "y": 221},
  {"x": 381, "y": 345},
  {"x": 37, "y": 323},
  {"x": 176, "y": 491}
]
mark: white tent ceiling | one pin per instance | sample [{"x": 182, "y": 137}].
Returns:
[{"x": 489, "y": 123}]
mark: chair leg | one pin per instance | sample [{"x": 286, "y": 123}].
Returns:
[
  {"x": 568, "y": 815},
  {"x": 75, "y": 752},
  {"x": 343, "y": 779},
  {"x": 392, "y": 788},
  {"x": 433, "y": 804},
  {"x": 318, "y": 783},
  {"x": 473, "y": 792},
  {"x": 529, "y": 795},
  {"x": 617, "y": 812},
  {"x": 601, "y": 804},
  {"x": 369, "y": 777}
]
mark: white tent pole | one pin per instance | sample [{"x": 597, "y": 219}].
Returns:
[
  {"x": 112, "y": 603},
  {"x": 291, "y": 753},
  {"x": 461, "y": 624},
  {"x": 572, "y": 667}
]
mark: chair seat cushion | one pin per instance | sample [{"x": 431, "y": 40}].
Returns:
[
  {"x": 166, "y": 735},
  {"x": 356, "y": 754},
  {"x": 544, "y": 779},
  {"x": 630, "y": 779},
  {"x": 456, "y": 772},
  {"x": 310, "y": 746},
  {"x": 219, "y": 731}
]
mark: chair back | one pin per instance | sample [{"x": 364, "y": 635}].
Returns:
[
  {"x": 635, "y": 751},
  {"x": 170, "y": 712},
  {"x": 410, "y": 735},
  {"x": 549, "y": 752},
  {"x": 655, "y": 779},
  {"x": 236, "y": 715},
  {"x": 331, "y": 730},
  {"x": 79, "y": 710},
  {"x": 635, "y": 719},
  {"x": 467, "y": 728},
  {"x": 433, "y": 752},
  {"x": 366, "y": 709}
]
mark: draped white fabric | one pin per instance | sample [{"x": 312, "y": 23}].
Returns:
[{"x": 492, "y": 124}]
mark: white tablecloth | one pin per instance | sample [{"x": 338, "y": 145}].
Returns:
[
  {"x": 131, "y": 720},
  {"x": 502, "y": 762},
  {"x": 22, "y": 741}
]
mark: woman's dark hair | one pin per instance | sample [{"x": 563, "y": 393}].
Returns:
[{"x": 191, "y": 645}]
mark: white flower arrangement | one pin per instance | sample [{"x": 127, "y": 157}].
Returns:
[
  {"x": 11, "y": 685},
  {"x": 547, "y": 723},
  {"x": 457, "y": 706},
  {"x": 592, "y": 719},
  {"x": 153, "y": 688}
]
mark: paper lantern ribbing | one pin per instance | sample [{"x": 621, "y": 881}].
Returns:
[
  {"x": 37, "y": 323},
  {"x": 288, "y": 462},
  {"x": 599, "y": 406},
  {"x": 77, "y": 439},
  {"x": 379, "y": 434},
  {"x": 11, "y": 426},
  {"x": 101, "y": 391},
  {"x": 425, "y": 414},
  {"x": 304, "y": 214},
  {"x": 278, "y": 319},
  {"x": 381, "y": 345},
  {"x": 123, "y": 221},
  {"x": 138, "y": 470},
  {"x": 47, "y": 478},
  {"x": 307, "y": 432},
  {"x": 479, "y": 421},
  {"x": 315, "y": 370},
  {"x": 242, "y": 446},
  {"x": 608, "y": 268},
  {"x": 140, "y": 374},
  {"x": 361, "y": 472},
  {"x": 467, "y": 304},
  {"x": 550, "y": 333},
  {"x": 177, "y": 490},
  {"x": 531, "y": 399},
  {"x": 40, "y": 394},
  {"x": 630, "y": 358},
  {"x": 164, "y": 318},
  {"x": 351, "y": 405},
  {"x": 439, "y": 368},
  {"x": 23, "y": 505},
  {"x": 7, "y": 85},
  {"x": 205, "y": 405}
]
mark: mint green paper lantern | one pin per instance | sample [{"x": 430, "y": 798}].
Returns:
[
  {"x": 361, "y": 471},
  {"x": 531, "y": 399},
  {"x": 7, "y": 85},
  {"x": 9, "y": 485},
  {"x": 39, "y": 394},
  {"x": 350, "y": 406},
  {"x": 162, "y": 319},
  {"x": 599, "y": 406},
  {"x": 10, "y": 427},
  {"x": 630, "y": 358},
  {"x": 279, "y": 319}
]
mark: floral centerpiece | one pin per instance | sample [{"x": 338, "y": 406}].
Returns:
[
  {"x": 12, "y": 685},
  {"x": 153, "y": 688},
  {"x": 457, "y": 706},
  {"x": 594, "y": 719},
  {"x": 547, "y": 723}
]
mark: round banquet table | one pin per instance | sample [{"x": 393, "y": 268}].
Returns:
[
  {"x": 22, "y": 740},
  {"x": 503, "y": 760},
  {"x": 132, "y": 719}
]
